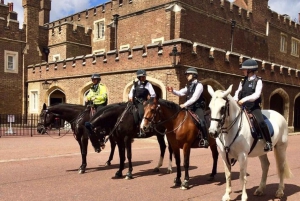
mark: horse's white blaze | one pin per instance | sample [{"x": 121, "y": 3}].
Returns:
[{"x": 240, "y": 147}]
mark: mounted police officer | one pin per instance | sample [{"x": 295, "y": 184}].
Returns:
[
  {"x": 97, "y": 93},
  {"x": 195, "y": 101},
  {"x": 249, "y": 95},
  {"x": 141, "y": 91}
]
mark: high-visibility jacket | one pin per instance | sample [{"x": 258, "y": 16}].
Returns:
[{"x": 97, "y": 94}]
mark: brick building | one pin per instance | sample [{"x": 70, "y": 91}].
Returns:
[{"x": 121, "y": 36}]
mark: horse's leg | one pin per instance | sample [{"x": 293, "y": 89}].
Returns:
[
  {"x": 177, "y": 180},
  {"x": 264, "y": 161},
  {"x": 122, "y": 158},
  {"x": 226, "y": 196},
  {"x": 170, "y": 158},
  {"x": 83, "y": 143},
  {"x": 243, "y": 160},
  {"x": 127, "y": 142},
  {"x": 282, "y": 167},
  {"x": 162, "y": 146},
  {"x": 215, "y": 155},
  {"x": 112, "y": 151},
  {"x": 186, "y": 164}
]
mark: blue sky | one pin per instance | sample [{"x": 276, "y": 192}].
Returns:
[{"x": 62, "y": 8}]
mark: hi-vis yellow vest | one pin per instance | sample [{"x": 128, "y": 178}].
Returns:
[{"x": 99, "y": 95}]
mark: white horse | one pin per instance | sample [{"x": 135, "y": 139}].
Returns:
[{"x": 230, "y": 127}]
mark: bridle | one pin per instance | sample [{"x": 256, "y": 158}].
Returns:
[
  {"x": 221, "y": 121},
  {"x": 159, "y": 122}
]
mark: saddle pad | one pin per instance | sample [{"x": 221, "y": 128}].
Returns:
[{"x": 270, "y": 127}]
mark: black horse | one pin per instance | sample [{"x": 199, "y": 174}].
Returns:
[
  {"x": 121, "y": 124},
  {"x": 76, "y": 115}
]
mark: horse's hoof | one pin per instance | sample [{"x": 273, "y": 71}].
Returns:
[
  {"x": 128, "y": 176},
  {"x": 81, "y": 171},
  {"x": 258, "y": 192},
  {"x": 177, "y": 182},
  {"x": 279, "y": 194},
  {"x": 119, "y": 174},
  {"x": 185, "y": 185},
  {"x": 156, "y": 169},
  {"x": 108, "y": 163},
  {"x": 169, "y": 171}
]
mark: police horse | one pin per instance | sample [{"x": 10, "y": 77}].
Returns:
[
  {"x": 232, "y": 132},
  {"x": 181, "y": 131},
  {"x": 76, "y": 115},
  {"x": 120, "y": 124}
]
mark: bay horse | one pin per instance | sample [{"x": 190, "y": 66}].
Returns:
[
  {"x": 76, "y": 115},
  {"x": 120, "y": 124},
  {"x": 232, "y": 131},
  {"x": 181, "y": 132}
]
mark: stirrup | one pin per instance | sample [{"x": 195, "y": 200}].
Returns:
[
  {"x": 268, "y": 147},
  {"x": 141, "y": 134},
  {"x": 203, "y": 143}
]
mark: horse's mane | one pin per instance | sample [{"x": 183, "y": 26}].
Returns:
[
  {"x": 69, "y": 105},
  {"x": 169, "y": 104}
]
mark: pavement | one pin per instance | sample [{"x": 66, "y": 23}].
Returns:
[{"x": 44, "y": 168}]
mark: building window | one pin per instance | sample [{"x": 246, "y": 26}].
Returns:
[
  {"x": 33, "y": 101},
  {"x": 99, "y": 30},
  {"x": 11, "y": 62},
  {"x": 56, "y": 57},
  {"x": 294, "y": 45},
  {"x": 283, "y": 43}
]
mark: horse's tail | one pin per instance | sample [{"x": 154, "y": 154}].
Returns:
[{"x": 287, "y": 173}]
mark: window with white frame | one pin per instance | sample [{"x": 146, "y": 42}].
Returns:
[
  {"x": 283, "y": 43},
  {"x": 56, "y": 57},
  {"x": 11, "y": 61},
  {"x": 294, "y": 47},
  {"x": 33, "y": 101},
  {"x": 99, "y": 30}
]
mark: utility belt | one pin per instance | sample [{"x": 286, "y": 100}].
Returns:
[
  {"x": 194, "y": 106},
  {"x": 138, "y": 100}
]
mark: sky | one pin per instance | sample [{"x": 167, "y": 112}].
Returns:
[{"x": 63, "y": 8}]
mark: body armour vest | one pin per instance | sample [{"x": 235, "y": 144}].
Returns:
[
  {"x": 200, "y": 103},
  {"x": 140, "y": 92},
  {"x": 248, "y": 88}
]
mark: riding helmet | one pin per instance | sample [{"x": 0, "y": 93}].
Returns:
[
  {"x": 191, "y": 71},
  {"x": 140, "y": 73},
  {"x": 96, "y": 76},
  {"x": 250, "y": 64}
]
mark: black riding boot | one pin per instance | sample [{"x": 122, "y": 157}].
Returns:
[
  {"x": 204, "y": 142},
  {"x": 267, "y": 136}
]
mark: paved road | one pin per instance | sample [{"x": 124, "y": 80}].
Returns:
[{"x": 42, "y": 168}]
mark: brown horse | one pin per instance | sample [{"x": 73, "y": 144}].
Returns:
[{"x": 181, "y": 132}]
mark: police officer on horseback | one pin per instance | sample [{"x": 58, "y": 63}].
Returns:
[
  {"x": 141, "y": 91},
  {"x": 195, "y": 101},
  {"x": 249, "y": 95},
  {"x": 98, "y": 93}
]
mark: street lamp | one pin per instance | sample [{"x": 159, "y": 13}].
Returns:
[
  {"x": 174, "y": 53},
  {"x": 46, "y": 84}
]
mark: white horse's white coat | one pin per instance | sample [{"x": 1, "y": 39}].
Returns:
[{"x": 240, "y": 147}]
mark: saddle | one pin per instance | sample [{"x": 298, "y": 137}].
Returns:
[
  {"x": 254, "y": 126},
  {"x": 196, "y": 122}
]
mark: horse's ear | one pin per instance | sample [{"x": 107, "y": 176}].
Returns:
[
  {"x": 210, "y": 90},
  {"x": 44, "y": 106},
  {"x": 228, "y": 91}
]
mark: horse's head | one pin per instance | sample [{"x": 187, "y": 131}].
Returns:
[
  {"x": 218, "y": 107},
  {"x": 151, "y": 108},
  {"x": 46, "y": 119}
]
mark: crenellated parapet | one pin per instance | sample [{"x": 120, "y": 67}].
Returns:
[
  {"x": 156, "y": 55},
  {"x": 284, "y": 22},
  {"x": 71, "y": 32}
]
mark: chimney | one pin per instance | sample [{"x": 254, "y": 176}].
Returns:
[
  {"x": 2, "y": 1},
  {"x": 10, "y": 7}
]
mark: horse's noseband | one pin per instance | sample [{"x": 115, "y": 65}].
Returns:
[
  {"x": 151, "y": 120},
  {"x": 224, "y": 110}
]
